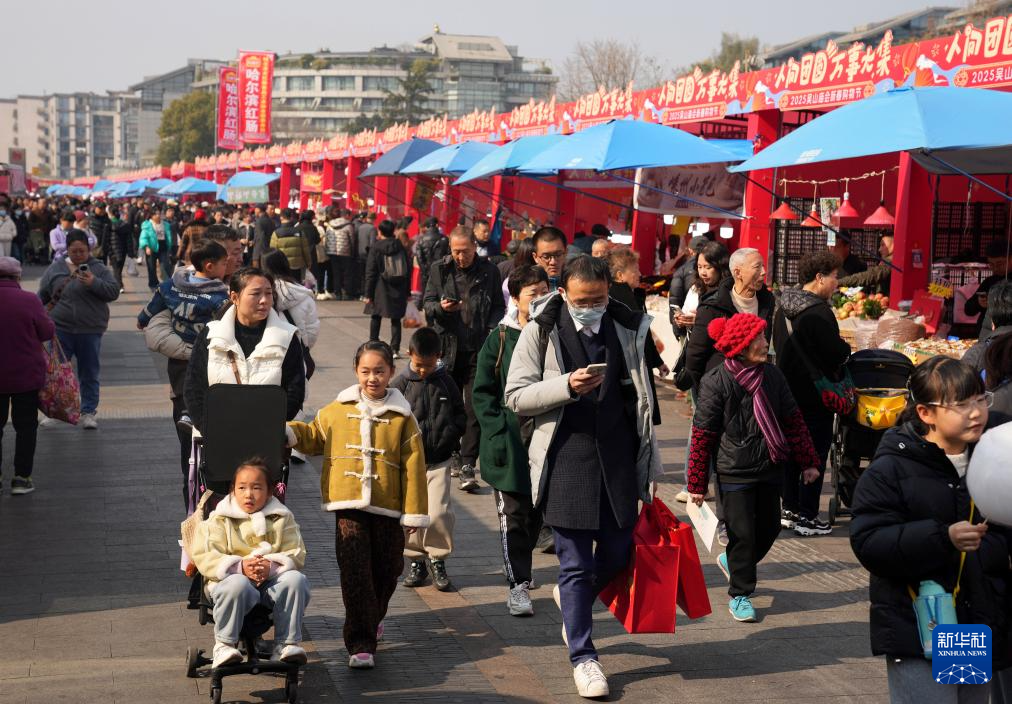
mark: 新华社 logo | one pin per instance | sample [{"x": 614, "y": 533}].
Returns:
[{"x": 961, "y": 654}]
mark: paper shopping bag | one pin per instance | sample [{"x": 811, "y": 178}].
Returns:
[
  {"x": 641, "y": 597},
  {"x": 692, "y": 597}
]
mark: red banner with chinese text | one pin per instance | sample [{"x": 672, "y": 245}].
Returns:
[
  {"x": 228, "y": 108},
  {"x": 256, "y": 77}
]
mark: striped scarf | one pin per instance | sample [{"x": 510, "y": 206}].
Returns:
[{"x": 751, "y": 379}]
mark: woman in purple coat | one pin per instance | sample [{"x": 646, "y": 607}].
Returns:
[{"x": 25, "y": 327}]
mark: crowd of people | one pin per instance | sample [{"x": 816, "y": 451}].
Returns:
[{"x": 537, "y": 373}]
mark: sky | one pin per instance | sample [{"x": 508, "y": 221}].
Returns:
[{"x": 64, "y": 46}]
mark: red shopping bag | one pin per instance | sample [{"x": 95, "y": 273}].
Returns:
[
  {"x": 60, "y": 398},
  {"x": 664, "y": 571}
]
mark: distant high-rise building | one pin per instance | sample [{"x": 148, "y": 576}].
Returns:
[
  {"x": 158, "y": 92},
  {"x": 321, "y": 93},
  {"x": 24, "y": 124}
]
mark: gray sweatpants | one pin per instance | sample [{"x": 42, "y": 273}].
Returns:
[
  {"x": 911, "y": 682},
  {"x": 235, "y": 596}
]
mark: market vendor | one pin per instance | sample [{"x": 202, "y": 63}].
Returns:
[
  {"x": 999, "y": 313},
  {"x": 877, "y": 278},
  {"x": 850, "y": 264},
  {"x": 998, "y": 260}
]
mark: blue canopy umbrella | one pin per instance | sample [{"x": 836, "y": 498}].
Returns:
[
  {"x": 450, "y": 160},
  {"x": 403, "y": 154},
  {"x": 136, "y": 188},
  {"x": 509, "y": 157},
  {"x": 190, "y": 185},
  {"x": 627, "y": 144},
  {"x": 247, "y": 187},
  {"x": 947, "y": 130},
  {"x": 101, "y": 185},
  {"x": 158, "y": 183},
  {"x": 117, "y": 190}
]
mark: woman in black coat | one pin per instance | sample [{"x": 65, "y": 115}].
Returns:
[
  {"x": 387, "y": 284},
  {"x": 808, "y": 345},
  {"x": 912, "y": 520}
]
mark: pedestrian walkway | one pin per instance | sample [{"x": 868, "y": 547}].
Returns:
[{"x": 92, "y": 600}]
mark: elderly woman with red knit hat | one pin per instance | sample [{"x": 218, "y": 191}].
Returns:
[{"x": 747, "y": 419}]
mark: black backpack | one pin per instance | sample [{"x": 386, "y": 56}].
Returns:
[{"x": 395, "y": 267}]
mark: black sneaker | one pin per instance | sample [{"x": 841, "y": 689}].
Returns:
[
  {"x": 185, "y": 424},
  {"x": 21, "y": 485},
  {"x": 546, "y": 541},
  {"x": 439, "y": 578},
  {"x": 788, "y": 519},
  {"x": 455, "y": 465},
  {"x": 417, "y": 574},
  {"x": 812, "y": 526},
  {"x": 468, "y": 482}
]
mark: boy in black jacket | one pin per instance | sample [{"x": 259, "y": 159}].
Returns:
[{"x": 438, "y": 407}]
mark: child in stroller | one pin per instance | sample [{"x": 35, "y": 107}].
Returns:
[{"x": 250, "y": 552}]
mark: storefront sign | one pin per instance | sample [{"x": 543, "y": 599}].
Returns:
[
  {"x": 312, "y": 181},
  {"x": 256, "y": 78},
  {"x": 246, "y": 194},
  {"x": 709, "y": 184},
  {"x": 534, "y": 118},
  {"x": 972, "y": 57},
  {"x": 228, "y": 108}
]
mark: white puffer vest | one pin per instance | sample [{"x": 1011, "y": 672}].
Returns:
[{"x": 262, "y": 367}]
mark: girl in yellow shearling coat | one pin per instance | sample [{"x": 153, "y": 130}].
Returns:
[
  {"x": 374, "y": 481},
  {"x": 250, "y": 550}
]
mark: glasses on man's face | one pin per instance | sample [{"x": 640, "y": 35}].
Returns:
[
  {"x": 985, "y": 400},
  {"x": 551, "y": 256}
]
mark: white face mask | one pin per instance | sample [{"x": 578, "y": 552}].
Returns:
[{"x": 587, "y": 317}]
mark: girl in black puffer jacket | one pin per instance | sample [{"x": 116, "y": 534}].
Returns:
[{"x": 912, "y": 517}]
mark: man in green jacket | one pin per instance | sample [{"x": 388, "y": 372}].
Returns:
[
  {"x": 293, "y": 244},
  {"x": 503, "y": 449}
]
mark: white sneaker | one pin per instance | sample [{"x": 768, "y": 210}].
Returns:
[
  {"x": 291, "y": 653},
  {"x": 47, "y": 422},
  {"x": 557, "y": 595},
  {"x": 362, "y": 661},
  {"x": 519, "y": 601},
  {"x": 590, "y": 679},
  {"x": 321, "y": 296},
  {"x": 89, "y": 421},
  {"x": 682, "y": 496},
  {"x": 225, "y": 654}
]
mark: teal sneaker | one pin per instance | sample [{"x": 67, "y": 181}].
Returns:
[
  {"x": 741, "y": 609},
  {"x": 722, "y": 564}
]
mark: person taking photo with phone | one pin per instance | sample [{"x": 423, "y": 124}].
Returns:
[{"x": 77, "y": 290}]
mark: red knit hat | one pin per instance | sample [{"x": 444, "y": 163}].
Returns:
[{"x": 732, "y": 336}]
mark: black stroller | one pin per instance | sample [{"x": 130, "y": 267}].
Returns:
[
  {"x": 880, "y": 377},
  {"x": 242, "y": 421}
]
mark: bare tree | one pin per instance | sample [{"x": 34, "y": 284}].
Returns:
[{"x": 608, "y": 63}]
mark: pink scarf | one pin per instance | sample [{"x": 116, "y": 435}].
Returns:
[{"x": 751, "y": 379}]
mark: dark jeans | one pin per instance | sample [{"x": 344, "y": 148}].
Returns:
[
  {"x": 321, "y": 274},
  {"x": 752, "y": 517},
  {"x": 342, "y": 275},
  {"x": 152, "y": 262},
  {"x": 804, "y": 498},
  {"x": 86, "y": 347},
  {"x": 464, "y": 367},
  {"x": 24, "y": 411},
  {"x": 177, "y": 379},
  {"x": 519, "y": 526},
  {"x": 395, "y": 330},
  {"x": 357, "y": 274},
  {"x": 584, "y": 570}
]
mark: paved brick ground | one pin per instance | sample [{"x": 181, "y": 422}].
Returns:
[{"x": 91, "y": 597}]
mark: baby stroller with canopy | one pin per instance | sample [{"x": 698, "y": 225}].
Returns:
[
  {"x": 241, "y": 421},
  {"x": 880, "y": 377}
]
